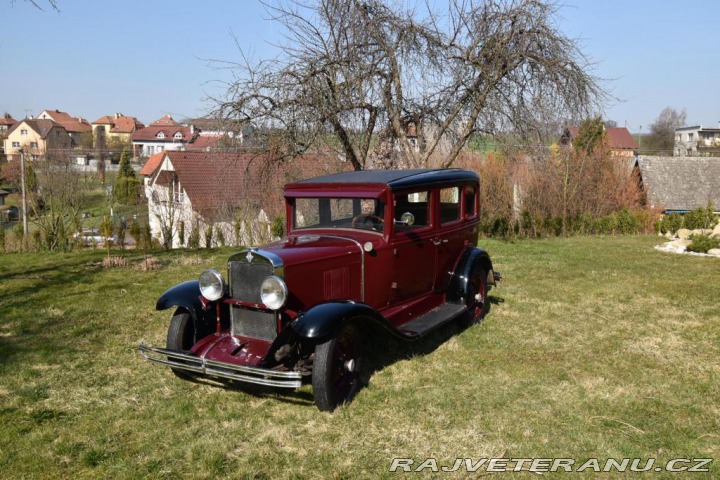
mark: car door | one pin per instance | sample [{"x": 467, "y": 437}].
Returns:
[
  {"x": 456, "y": 212},
  {"x": 414, "y": 253}
]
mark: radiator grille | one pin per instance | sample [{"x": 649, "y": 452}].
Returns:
[
  {"x": 245, "y": 281},
  {"x": 246, "y": 278},
  {"x": 254, "y": 324}
]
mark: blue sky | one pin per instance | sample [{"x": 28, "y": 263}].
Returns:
[{"x": 149, "y": 58}]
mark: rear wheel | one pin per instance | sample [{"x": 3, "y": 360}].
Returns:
[
  {"x": 476, "y": 300},
  {"x": 180, "y": 338},
  {"x": 336, "y": 369}
]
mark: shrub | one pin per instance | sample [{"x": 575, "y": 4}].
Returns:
[
  {"x": 702, "y": 243},
  {"x": 220, "y": 236},
  {"x": 181, "y": 234},
  {"x": 209, "y": 236},
  {"x": 696, "y": 219},
  {"x": 278, "y": 227},
  {"x": 194, "y": 239},
  {"x": 672, "y": 223},
  {"x": 627, "y": 223}
]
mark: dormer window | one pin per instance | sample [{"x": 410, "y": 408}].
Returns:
[
  {"x": 178, "y": 136},
  {"x": 161, "y": 135}
]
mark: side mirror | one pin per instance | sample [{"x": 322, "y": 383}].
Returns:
[{"x": 407, "y": 218}]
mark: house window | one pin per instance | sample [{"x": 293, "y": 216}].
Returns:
[
  {"x": 178, "y": 136},
  {"x": 160, "y": 135},
  {"x": 33, "y": 145},
  {"x": 23, "y": 132},
  {"x": 690, "y": 137},
  {"x": 16, "y": 144}
]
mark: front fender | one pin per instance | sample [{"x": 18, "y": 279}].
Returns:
[
  {"x": 472, "y": 258},
  {"x": 185, "y": 295},
  {"x": 326, "y": 318}
]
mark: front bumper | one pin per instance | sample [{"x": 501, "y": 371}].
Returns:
[{"x": 214, "y": 368}]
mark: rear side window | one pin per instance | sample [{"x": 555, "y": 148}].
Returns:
[
  {"x": 469, "y": 202},
  {"x": 449, "y": 204}
]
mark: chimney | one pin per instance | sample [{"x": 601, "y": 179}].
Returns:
[{"x": 118, "y": 115}]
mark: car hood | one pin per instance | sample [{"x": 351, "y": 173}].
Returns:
[{"x": 299, "y": 249}]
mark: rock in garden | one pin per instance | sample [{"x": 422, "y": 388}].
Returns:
[
  {"x": 683, "y": 233},
  {"x": 715, "y": 252}
]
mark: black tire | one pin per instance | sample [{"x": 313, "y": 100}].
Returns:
[
  {"x": 180, "y": 338},
  {"x": 476, "y": 298},
  {"x": 336, "y": 369}
]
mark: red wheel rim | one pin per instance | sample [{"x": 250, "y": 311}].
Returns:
[{"x": 478, "y": 286}]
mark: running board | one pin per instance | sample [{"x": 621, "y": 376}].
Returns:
[{"x": 432, "y": 320}]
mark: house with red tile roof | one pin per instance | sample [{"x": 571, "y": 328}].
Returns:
[
  {"x": 620, "y": 141},
  {"x": 161, "y": 135},
  {"x": 76, "y": 127},
  {"x": 6, "y": 122},
  {"x": 36, "y": 137},
  {"x": 214, "y": 189},
  {"x": 116, "y": 126}
]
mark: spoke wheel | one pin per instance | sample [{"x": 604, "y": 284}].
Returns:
[
  {"x": 180, "y": 338},
  {"x": 476, "y": 302},
  {"x": 336, "y": 369}
]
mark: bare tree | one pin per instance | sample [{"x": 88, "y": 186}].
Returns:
[
  {"x": 60, "y": 199},
  {"x": 388, "y": 87},
  {"x": 37, "y": 4},
  {"x": 662, "y": 131}
]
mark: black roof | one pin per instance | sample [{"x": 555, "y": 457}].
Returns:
[{"x": 397, "y": 178}]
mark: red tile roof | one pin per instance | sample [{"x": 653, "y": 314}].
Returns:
[
  {"x": 214, "y": 181},
  {"x": 71, "y": 124},
  {"x": 152, "y": 164},
  {"x": 7, "y": 120},
  {"x": 619, "y": 138},
  {"x": 204, "y": 142},
  {"x": 150, "y": 134},
  {"x": 165, "y": 121},
  {"x": 126, "y": 125},
  {"x": 40, "y": 126},
  {"x": 104, "y": 120}
]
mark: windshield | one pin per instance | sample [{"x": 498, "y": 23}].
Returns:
[{"x": 356, "y": 213}]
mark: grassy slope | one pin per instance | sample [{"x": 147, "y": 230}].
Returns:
[{"x": 594, "y": 347}]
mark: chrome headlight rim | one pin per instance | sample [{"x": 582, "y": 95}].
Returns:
[
  {"x": 212, "y": 284},
  {"x": 273, "y": 292}
]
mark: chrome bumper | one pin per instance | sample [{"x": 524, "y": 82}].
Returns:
[{"x": 241, "y": 373}]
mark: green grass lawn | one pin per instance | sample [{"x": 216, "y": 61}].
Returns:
[{"x": 593, "y": 348}]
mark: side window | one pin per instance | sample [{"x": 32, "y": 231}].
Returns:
[
  {"x": 417, "y": 205},
  {"x": 449, "y": 204},
  {"x": 469, "y": 202}
]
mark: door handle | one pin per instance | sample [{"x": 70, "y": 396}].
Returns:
[{"x": 437, "y": 241}]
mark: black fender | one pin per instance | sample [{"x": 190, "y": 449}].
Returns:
[
  {"x": 472, "y": 257},
  {"x": 324, "y": 319},
  {"x": 186, "y": 295}
]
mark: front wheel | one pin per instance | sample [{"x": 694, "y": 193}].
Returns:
[
  {"x": 180, "y": 338},
  {"x": 336, "y": 369}
]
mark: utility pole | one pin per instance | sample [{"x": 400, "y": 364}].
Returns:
[{"x": 24, "y": 198}]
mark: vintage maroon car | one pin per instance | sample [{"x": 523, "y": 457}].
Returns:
[{"x": 390, "y": 249}]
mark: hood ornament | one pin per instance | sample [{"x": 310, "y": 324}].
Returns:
[{"x": 249, "y": 257}]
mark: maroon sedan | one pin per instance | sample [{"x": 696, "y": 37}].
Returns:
[{"x": 389, "y": 249}]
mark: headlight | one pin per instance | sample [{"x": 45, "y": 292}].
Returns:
[
  {"x": 273, "y": 292},
  {"x": 212, "y": 285}
]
